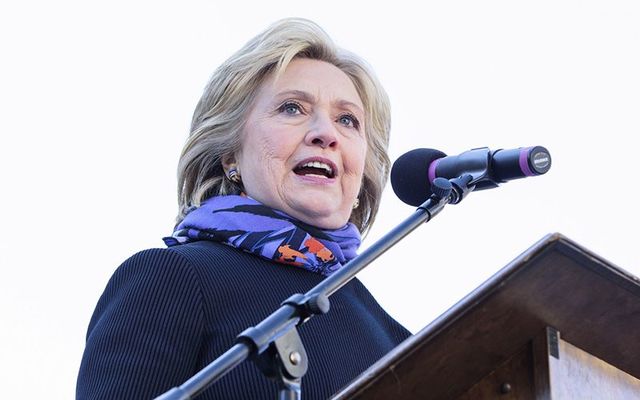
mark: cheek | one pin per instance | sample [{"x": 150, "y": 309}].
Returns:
[
  {"x": 273, "y": 157},
  {"x": 358, "y": 158},
  {"x": 355, "y": 168},
  {"x": 263, "y": 161}
]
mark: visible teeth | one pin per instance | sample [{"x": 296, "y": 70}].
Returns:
[{"x": 320, "y": 165}]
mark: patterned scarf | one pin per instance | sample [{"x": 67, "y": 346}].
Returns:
[{"x": 244, "y": 223}]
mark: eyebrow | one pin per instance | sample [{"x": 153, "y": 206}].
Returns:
[{"x": 308, "y": 97}]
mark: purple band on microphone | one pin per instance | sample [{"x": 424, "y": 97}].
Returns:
[
  {"x": 432, "y": 170},
  {"x": 524, "y": 162}
]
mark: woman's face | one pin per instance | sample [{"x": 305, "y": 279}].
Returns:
[{"x": 304, "y": 144}]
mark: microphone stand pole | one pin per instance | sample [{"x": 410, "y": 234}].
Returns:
[{"x": 275, "y": 344}]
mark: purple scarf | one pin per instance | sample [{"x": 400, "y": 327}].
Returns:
[{"x": 248, "y": 225}]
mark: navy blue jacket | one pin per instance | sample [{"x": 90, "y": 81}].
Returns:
[{"x": 167, "y": 313}]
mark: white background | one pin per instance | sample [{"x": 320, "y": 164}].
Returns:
[{"x": 96, "y": 100}]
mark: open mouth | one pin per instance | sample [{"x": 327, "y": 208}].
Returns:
[{"x": 315, "y": 168}]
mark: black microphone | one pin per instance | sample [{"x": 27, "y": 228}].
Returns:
[{"x": 413, "y": 172}]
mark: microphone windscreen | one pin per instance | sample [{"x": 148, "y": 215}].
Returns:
[{"x": 410, "y": 175}]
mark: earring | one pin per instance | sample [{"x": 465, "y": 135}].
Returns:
[
  {"x": 356, "y": 203},
  {"x": 233, "y": 175}
]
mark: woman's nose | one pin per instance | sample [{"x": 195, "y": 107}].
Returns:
[{"x": 322, "y": 132}]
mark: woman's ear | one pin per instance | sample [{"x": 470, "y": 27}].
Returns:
[
  {"x": 228, "y": 161},
  {"x": 231, "y": 169}
]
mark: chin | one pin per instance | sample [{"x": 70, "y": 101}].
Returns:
[
  {"x": 321, "y": 210},
  {"x": 325, "y": 220}
]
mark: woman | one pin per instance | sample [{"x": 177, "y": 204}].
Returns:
[{"x": 281, "y": 174}]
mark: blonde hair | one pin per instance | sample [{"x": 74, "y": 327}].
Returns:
[{"x": 222, "y": 110}]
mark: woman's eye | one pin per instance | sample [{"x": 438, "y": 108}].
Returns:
[
  {"x": 291, "y": 108},
  {"x": 349, "y": 121}
]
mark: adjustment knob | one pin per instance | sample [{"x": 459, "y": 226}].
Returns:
[{"x": 441, "y": 187}]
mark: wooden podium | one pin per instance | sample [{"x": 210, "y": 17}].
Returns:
[{"x": 558, "y": 322}]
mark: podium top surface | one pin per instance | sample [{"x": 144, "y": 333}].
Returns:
[{"x": 592, "y": 303}]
